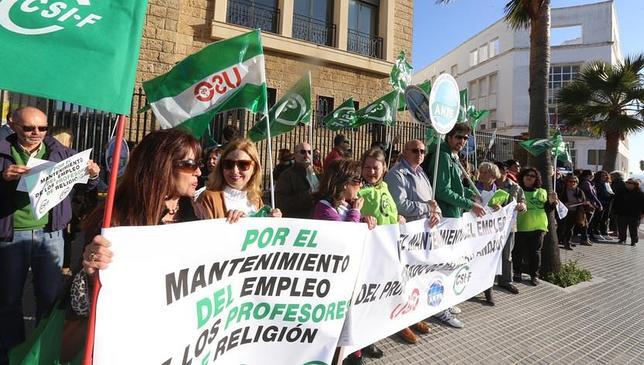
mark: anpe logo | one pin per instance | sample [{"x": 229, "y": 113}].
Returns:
[
  {"x": 435, "y": 293},
  {"x": 461, "y": 279},
  {"x": 15, "y": 14}
]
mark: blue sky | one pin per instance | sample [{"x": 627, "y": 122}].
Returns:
[{"x": 441, "y": 28}]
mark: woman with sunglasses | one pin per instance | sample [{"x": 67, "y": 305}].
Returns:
[
  {"x": 575, "y": 200},
  {"x": 532, "y": 224},
  {"x": 156, "y": 188},
  {"x": 234, "y": 190}
]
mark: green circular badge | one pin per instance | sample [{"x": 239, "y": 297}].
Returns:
[{"x": 444, "y": 103}]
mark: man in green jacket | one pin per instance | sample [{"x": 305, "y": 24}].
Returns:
[{"x": 452, "y": 197}]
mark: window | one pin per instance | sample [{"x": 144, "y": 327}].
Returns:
[
  {"x": 356, "y": 105},
  {"x": 559, "y": 76},
  {"x": 324, "y": 107},
  {"x": 483, "y": 53},
  {"x": 493, "y": 47},
  {"x": 312, "y": 21},
  {"x": 272, "y": 96},
  {"x": 454, "y": 70},
  {"x": 474, "y": 57},
  {"x": 494, "y": 84},
  {"x": 363, "y": 28},
  {"x": 562, "y": 36},
  {"x": 483, "y": 87},
  {"x": 262, "y": 14},
  {"x": 492, "y": 119},
  {"x": 472, "y": 88},
  {"x": 596, "y": 157}
]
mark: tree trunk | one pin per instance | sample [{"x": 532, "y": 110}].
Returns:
[
  {"x": 538, "y": 126},
  {"x": 612, "y": 146}
]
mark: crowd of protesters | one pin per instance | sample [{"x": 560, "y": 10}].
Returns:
[{"x": 161, "y": 184}]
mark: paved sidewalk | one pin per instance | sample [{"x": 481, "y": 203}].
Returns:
[{"x": 599, "y": 322}]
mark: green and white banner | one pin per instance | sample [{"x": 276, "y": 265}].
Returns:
[
  {"x": 381, "y": 111},
  {"x": 81, "y": 51},
  {"x": 261, "y": 291},
  {"x": 293, "y": 108},
  {"x": 422, "y": 272},
  {"x": 342, "y": 117},
  {"x": 226, "y": 75}
]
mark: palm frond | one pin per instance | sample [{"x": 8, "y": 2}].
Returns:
[{"x": 517, "y": 14}]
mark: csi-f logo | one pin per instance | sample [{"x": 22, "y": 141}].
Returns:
[
  {"x": 291, "y": 110},
  {"x": 380, "y": 112},
  {"x": 461, "y": 279},
  {"x": 343, "y": 117},
  {"x": 36, "y": 17}
]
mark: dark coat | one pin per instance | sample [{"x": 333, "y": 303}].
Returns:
[
  {"x": 293, "y": 193},
  {"x": 629, "y": 203}
]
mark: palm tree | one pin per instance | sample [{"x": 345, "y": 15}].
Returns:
[
  {"x": 535, "y": 16},
  {"x": 606, "y": 100}
]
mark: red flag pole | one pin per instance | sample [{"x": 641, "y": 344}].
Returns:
[{"x": 107, "y": 218}]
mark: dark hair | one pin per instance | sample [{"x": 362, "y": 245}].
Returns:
[
  {"x": 147, "y": 181},
  {"x": 336, "y": 176},
  {"x": 510, "y": 163},
  {"x": 585, "y": 174},
  {"x": 461, "y": 128},
  {"x": 598, "y": 176},
  {"x": 501, "y": 165},
  {"x": 524, "y": 171},
  {"x": 339, "y": 139},
  {"x": 230, "y": 132}
]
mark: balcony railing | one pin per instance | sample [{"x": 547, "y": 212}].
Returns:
[
  {"x": 364, "y": 44},
  {"x": 254, "y": 16},
  {"x": 313, "y": 30}
]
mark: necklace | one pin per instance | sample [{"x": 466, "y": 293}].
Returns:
[{"x": 173, "y": 211}]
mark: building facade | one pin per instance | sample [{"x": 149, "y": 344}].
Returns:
[{"x": 494, "y": 66}]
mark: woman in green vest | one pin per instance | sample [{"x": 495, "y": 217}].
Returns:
[{"x": 531, "y": 225}]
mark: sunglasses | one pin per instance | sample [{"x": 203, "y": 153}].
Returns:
[
  {"x": 461, "y": 137},
  {"x": 242, "y": 165},
  {"x": 355, "y": 182},
  {"x": 418, "y": 151},
  {"x": 305, "y": 152},
  {"x": 188, "y": 165},
  {"x": 32, "y": 128}
]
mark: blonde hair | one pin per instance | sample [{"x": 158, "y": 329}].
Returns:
[
  {"x": 491, "y": 168},
  {"x": 217, "y": 182},
  {"x": 377, "y": 154},
  {"x": 62, "y": 135}
]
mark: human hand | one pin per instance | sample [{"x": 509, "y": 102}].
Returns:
[
  {"x": 233, "y": 216},
  {"x": 478, "y": 210},
  {"x": 358, "y": 203},
  {"x": 434, "y": 219},
  {"x": 93, "y": 169},
  {"x": 552, "y": 197},
  {"x": 275, "y": 213},
  {"x": 477, "y": 198},
  {"x": 521, "y": 207},
  {"x": 14, "y": 172},
  {"x": 495, "y": 207},
  {"x": 371, "y": 221},
  {"x": 97, "y": 255},
  {"x": 401, "y": 219}
]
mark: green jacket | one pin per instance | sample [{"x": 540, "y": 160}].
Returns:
[{"x": 452, "y": 197}]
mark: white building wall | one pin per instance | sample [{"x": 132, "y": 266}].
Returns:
[{"x": 599, "y": 41}]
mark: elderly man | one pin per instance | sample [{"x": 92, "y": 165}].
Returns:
[
  {"x": 412, "y": 192},
  {"x": 26, "y": 241},
  {"x": 295, "y": 185}
]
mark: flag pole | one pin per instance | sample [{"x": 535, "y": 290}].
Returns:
[
  {"x": 270, "y": 160},
  {"x": 391, "y": 138},
  {"x": 107, "y": 221},
  {"x": 438, "y": 148}
]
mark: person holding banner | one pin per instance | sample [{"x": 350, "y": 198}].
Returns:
[
  {"x": 25, "y": 241},
  {"x": 234, "y": 189},
  {"x": 532, "y": 225}
]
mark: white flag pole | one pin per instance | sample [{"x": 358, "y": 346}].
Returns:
[
  {"x": 270, "y": 160},
  {"x": 438, "y": 148}
]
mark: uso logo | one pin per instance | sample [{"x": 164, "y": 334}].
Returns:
[{"x": 435, "y": 293}]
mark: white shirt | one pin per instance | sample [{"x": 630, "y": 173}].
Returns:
[{"x": 238, "y": 200}]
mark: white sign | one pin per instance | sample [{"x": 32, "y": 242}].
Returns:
[
  {"x": 444, "y": 103},
  {"x": 421, "y": 273},
  {"x": 261, "y": 291},
  {"x": 50, "y": 185}
]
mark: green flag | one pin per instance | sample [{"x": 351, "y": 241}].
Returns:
[
  {"x": 225, "y": 75},
  {"x": 562, "y": 152},
  {"x": 462, "y": 113},
  {"x": 400, "y": 76},
  {"x": 291, "y": 109},
  {"x": 426, "y": 86},
  {"x": 381, "y": 111},
  {"x": 538, "y": 146},
  {"x": 342, "y": 117},
  {"x": 76, "y": 51}
]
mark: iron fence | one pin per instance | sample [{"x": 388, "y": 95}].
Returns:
[
  {"x": 313, "y": 30},
  {"x": 251, "y": 15},
  {"x": 365, "y": 44}
]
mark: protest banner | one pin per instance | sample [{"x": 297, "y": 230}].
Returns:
[
  {"x": 49, "y": 186},
  {"x": 420, "y": 273},
  {"x": 263, "y": 290}
]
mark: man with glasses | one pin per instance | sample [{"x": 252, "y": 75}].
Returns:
[
  {"x": 513, "y": 169},
  {"x": 295, "y": 185},
  {"x": 411, "y": 190},
  {"x": 26, "y": 241}
]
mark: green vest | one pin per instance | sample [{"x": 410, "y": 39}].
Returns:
[
  {"x": 23, "y": 218},
  {"x": 378, "y": 203},
  {"x": 535, "y": 218}
]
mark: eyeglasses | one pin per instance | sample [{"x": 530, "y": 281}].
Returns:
[
  {"x": 31, "y": 128},
  {"x": 418, "y": 151},
  {"x": 305, "y": 152},
  {"x": 242, "y": 165},
  {"x": 188, "y": 165},
  {"x": 355, "y": 182},
  {"x": 465, "y": 138}
]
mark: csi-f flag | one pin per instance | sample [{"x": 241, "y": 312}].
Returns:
[
  {"x": 82, "y": 51},
  {"x": 225, "y": 75},
  {"x": 538, "y": 146},
  {"x": 293, "y": 108},
  {"x": 342, "y": 117},
  {"x": 381, "y": 111},
  {"x": 400, "y": 76}
]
